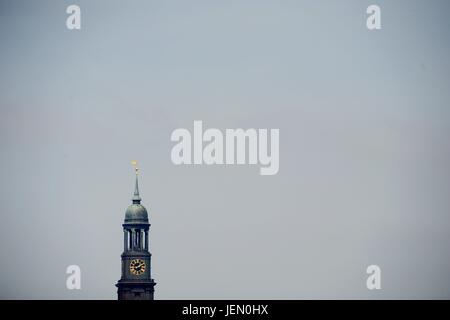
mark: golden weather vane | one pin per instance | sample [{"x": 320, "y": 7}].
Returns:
[{"x": 134, "y": 163}]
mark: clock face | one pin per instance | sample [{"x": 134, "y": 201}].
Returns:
[{"x": 137, "y": 266}]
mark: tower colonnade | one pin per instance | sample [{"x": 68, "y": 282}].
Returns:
[{"x": 135, "y": 239}]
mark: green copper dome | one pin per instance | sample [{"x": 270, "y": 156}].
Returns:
[{"x": 136, "y": 213}]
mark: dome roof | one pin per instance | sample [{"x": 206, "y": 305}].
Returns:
[{"x": 136, "y": 213}]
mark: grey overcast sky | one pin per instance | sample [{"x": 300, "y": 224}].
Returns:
[{"x": 364, "y": 119}]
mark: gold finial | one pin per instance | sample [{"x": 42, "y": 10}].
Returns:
[{"x": 134, "y": 163}]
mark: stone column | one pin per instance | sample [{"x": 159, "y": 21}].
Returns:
[{"x": 146, "y": 240}]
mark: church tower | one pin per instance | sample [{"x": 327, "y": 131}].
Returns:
[{"x": 136, "y": 282}]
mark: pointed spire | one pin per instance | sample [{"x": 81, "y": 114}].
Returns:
[{"x": 136, "y": 198}]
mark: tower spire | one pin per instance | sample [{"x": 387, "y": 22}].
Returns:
[{"x": 136, "y": 198}]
